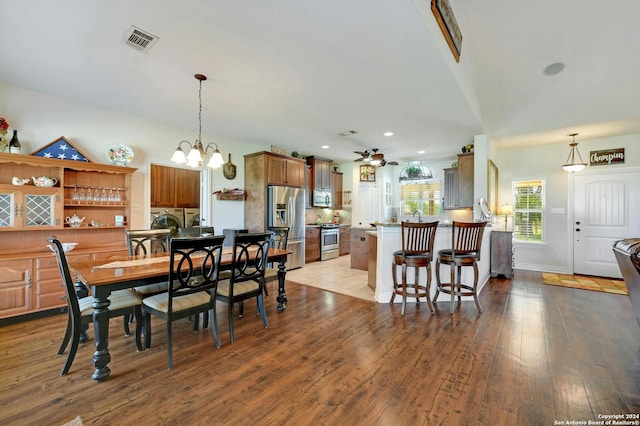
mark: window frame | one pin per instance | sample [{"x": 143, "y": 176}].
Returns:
[
  {"x": 436, "y": 202},
  {"x": 537, "y": 210}
]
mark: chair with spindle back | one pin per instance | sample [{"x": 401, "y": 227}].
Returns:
[
  {"x": 416, "y": 253},
  {"x": 466, "y": 242}
]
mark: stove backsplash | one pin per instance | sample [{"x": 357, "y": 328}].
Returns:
[{"x": 342, "y": 217}]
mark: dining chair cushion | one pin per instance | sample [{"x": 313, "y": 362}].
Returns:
[
  {"x": 150, "y": 289},
  {"x": 160, "y": 302},
  {"x": 119, "y": 299},
  {"x": 238, "y": 288}
]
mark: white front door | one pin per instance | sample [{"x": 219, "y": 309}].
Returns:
[{"x": 606, "y": 210}]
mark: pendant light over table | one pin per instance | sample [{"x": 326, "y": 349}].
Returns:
[{"x": 197, "y": 152}]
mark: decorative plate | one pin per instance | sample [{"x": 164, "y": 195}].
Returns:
[{"x": 120, "y": 155}]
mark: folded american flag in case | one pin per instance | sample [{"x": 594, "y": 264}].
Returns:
[{"x": 61, "y": 149}]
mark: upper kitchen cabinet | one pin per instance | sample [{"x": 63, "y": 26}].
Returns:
[
  {"x": 336, "y": 190},
  {"x": 187, "y": 188},
  {"x": 174, "y": 187},
  {"x": 458, "y": 184},
  {"x": 284, "y": 171},
  {"x": 262, "y": 169},
  {"x": 320, "y": 173}
]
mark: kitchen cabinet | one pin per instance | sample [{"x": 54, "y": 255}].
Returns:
[
  {"x": 458, "y": 184},
  {"x": 307, "y": 186},
  {"x": 345, "y": 240},
  {"x": 30, "y": 208},
  {"x": 15, "y": 287},
  {"x": 256, "y": 181},
  {"x": 285, "y": 171},
  {"x": 320, "y": 173},
  {"x": 311, "y": 244},
  {"x": 502, "y": 253},
  {"x": 29, "y": 277},
  {"x": 187, "y": 188},
  {"x": 174, "y": 187},
  {"x": 359, "y": 248},
  {"x": 336, "y": 190}
]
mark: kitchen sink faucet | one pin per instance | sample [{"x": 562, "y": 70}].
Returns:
[{"x": 419, "y": 215}]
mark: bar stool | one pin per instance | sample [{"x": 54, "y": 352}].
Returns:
[
  {"x": 466, "y": 241},
  {"x": 417, "y": 252}
]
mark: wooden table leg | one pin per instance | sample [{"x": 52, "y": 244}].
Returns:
[
  {"x": 101, "y": 356},
  {"x": 282, "y": 296}
]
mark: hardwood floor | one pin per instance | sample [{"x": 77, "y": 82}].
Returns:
[{"x": 536, "y": 354}]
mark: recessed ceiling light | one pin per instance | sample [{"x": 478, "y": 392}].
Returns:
[
  {"x": 554, "y": 68},
  {"x": 325, "y": 146},
  {"x": 421, "y": 151},
  {"x": 388, "y": 133}
]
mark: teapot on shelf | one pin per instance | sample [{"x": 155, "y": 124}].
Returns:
[
  {"x": 44, "y": 181},
  {"x": 74, "y": 221}
]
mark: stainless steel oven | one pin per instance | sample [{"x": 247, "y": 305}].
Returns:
[{"x": 329, "y": 241}]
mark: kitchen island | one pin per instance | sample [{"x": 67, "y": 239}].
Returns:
[{"x": 389, "y": 239}]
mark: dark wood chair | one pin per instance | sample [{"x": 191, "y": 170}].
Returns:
[
  {"x": 466, "y": 242},
  {"x": 416, "y": 253},
  {"x": 142, "y": 242},
  {"x": 80, "y": 311},
  {"x": 193, "y": 274},
  {"x": 197, "y": 231},
  {"x": 246, "y": 278},
  {"x": 280, "y": 236}
]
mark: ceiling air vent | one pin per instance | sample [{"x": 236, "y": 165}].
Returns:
[
  {"x": 139, "y": 39},
  {"x": 348, "y": 133}
]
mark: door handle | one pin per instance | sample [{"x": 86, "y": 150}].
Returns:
[{"x": 577, "y": 229}]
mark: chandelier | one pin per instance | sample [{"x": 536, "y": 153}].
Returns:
[
  {"x": 197, "y": 152},
  {"x": 571, "y": 164}
]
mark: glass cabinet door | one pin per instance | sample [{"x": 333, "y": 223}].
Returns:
[
  {"x": 20, "y": 210},
  {"x": 7, "y": 204},
  {"x": 39, "y": 210}
]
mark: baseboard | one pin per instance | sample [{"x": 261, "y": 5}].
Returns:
[{"x": 32, "y": 316}]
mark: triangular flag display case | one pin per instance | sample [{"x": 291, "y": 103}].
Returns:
[{"x": 61, "y": 149}]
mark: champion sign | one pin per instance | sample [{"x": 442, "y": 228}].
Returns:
[{"x": 606, "y": 157}]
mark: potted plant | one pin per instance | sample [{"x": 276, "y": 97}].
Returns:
[{"x": 413, "y": 172}]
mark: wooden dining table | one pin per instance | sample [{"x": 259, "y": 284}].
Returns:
[{"x": 105, "y": 276}]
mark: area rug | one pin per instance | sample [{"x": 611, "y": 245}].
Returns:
[{"x": 585, "y": 282}]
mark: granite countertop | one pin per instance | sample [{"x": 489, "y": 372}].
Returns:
[{"x": 442, "y": 224}]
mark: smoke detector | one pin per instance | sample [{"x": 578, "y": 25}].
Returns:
[{"x": 139, "y": 39}]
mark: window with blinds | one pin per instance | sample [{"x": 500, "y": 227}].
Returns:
[
  {"x": 423, "y": 196},
  {"x": 528, "y": 202}
]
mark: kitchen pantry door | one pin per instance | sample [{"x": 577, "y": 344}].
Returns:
[{"x": 606, "y": 210}]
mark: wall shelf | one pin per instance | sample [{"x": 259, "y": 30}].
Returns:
[{"x": 232, "y": 197}]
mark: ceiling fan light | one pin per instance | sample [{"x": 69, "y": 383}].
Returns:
[{"x": 375, "y": 162}]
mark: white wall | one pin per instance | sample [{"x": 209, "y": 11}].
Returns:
[
  {"x": 545, "y": 162},
  {"x": 41, "y": 118}
]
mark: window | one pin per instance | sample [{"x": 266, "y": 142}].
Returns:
[
  {"x": 423, "y": 196},
  {"x": 528, "y": 197}
]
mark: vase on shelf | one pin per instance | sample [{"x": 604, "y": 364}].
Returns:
[{"x": 3, "y": 142}]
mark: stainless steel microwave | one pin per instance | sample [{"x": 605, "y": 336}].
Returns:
[{"x": 321, "y": 199}]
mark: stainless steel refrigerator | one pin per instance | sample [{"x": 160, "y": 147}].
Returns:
[{"x": 286, "y": 208}]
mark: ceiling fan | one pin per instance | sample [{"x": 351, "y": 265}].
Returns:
[{"x": 375, "y": 158}]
